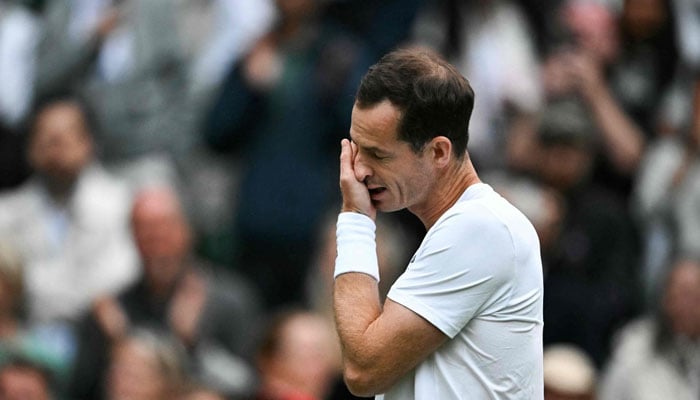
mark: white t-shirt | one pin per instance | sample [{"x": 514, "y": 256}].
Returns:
[{"x": 477, "y": 277}]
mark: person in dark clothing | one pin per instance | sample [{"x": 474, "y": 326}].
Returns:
[
  {"x": 591, "y": 268},
  {"x": 208, "y": 312},
  {"x": 281, "y": 111}
]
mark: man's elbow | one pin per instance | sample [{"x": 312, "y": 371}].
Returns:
[{"x": 362, "y": 382}]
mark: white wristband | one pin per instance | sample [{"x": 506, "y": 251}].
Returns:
[{"x": 357, "y": 250}]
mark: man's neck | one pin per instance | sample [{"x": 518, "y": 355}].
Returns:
[
  {"x": 59, "y": 190},
  {"x": 448, "y": 188}
]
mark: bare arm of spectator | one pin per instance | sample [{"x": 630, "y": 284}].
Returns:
[
  {"x": 186, "y": 308},
  {"x": 61, "y": 57},
  {"x": 623, "y": 140}
]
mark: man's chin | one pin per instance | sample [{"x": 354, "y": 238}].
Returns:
[{"x": 385, "y": 207}]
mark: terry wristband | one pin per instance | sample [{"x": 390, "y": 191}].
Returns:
[{"x": 357, "y": 249}]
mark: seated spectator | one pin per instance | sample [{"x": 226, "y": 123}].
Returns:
[
  {"x": 298, "y": 358},
  {"x": 177, "y": 293},
  {"x": 145, "y": 365},
  {"x": 69, "y": 222},
  {"x": 658, "y": 356},
  {"x": 126, "y": 57},
  {"x": 569, "y": 374}
]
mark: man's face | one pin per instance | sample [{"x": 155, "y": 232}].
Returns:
[
  {"x": 135, "y": 373},
  {"x": 394, "y": 174},
  {"x": 61, "y": 146},
  {"x": 563, "y": 166},
  {"x": 161, "y": 234}
]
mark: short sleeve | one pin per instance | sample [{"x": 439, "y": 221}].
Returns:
[{"x": 462, "y": 269}]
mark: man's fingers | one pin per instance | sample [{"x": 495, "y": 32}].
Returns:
[{"x": 346, "y": 156}]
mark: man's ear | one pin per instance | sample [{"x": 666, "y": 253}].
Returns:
[{"x": 441, "y": 151}]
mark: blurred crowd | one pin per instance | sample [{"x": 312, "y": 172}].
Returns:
[{"x": 168, "y": 187}]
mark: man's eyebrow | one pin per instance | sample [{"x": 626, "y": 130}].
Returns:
[{"x": 374, "y": 149}]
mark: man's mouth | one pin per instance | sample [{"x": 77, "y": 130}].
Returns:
[{"x": 376, "y": 191}]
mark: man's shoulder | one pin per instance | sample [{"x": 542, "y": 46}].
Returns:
[
  {"x": 486, "y": 213},
  {"x": 21, "y": 200}
]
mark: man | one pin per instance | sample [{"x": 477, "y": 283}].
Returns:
[
  {"x": 464, "y": 321},
  {"x": 69, "y": 222},
  {"x": 212, "y": 314},
  {"x": 116, "y": 55},
  {"x": 658, "y": 355}
]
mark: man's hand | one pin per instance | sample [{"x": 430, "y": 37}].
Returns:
[
  {"x": 187, "y": 307},
  {"x": 355, "y": 194},
  {"x": 110, "y": 317}
]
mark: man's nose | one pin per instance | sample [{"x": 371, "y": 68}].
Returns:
[{"x": 362, "y": 169}]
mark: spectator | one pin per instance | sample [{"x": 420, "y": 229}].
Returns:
[
  {"x": 215, "y": 35},
  {"x": 658, "y": 356},
  {"x": 145, "y": 365},
  {"x": 200, "y": 306},
  {"x": 599, "y": 65},
  {"x": 126, "y": 59},
  {"x": 667, "y": 193},
  {"x": 298, "y": 358},
  {"x": 648, "y": 60},
  {"x": 69, "y": 222},
  {"x": 665, "y": 200},
  {"x": 591, "y": 277},
  {"x": 282, "y": 109}
]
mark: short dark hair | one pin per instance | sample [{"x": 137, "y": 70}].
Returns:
[
  {"x": 51, "y": 99},
  {"x": 433, "y": 97}
]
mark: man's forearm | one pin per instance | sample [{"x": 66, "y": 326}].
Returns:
[
  {"x": 357, "y": 313},
  {"x": 358, "y": 307},
  {"x": 624, "y": 142}
]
